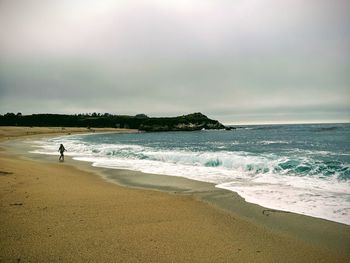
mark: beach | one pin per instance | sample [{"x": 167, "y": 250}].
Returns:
[{"x": 52, "y": 211}]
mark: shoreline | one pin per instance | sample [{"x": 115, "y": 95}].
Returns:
[
  {"x": 281, "y": 222},
  {"x": 330, "y": 237},
  {"x": 10, "y": 132}
]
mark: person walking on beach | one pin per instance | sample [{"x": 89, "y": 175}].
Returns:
[{"x": 61, "y": 150}]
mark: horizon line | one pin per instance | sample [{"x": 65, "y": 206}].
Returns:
[
  {"x": 226, "y": 123},
  {"x": 286, "y": 123}
]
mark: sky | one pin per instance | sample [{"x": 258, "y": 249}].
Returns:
[{"x": 237, "y": 61}]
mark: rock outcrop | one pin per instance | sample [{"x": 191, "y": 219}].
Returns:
[{"x": 190, "y": 122}]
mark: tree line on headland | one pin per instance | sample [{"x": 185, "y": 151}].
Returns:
[{"x": 190, "y": 122}]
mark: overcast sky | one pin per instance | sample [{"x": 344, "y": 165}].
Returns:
[{"x": 238, "y": 61}]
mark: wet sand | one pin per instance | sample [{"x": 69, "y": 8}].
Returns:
[{"x": 52, "y": 211}]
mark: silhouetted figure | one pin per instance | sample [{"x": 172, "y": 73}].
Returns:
[{"x": 61, "y": 150}]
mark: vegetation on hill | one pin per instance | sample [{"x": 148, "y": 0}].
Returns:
[{"x": 190, "y": 122}]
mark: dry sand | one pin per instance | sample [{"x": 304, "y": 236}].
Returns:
[
  {"x": 51, "y": 212},
  {"x": 8, "y": 132}
]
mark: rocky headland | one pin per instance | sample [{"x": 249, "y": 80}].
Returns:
[{"x": 190, "y": 122}]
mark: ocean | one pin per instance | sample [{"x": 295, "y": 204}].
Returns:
[{"x": 303, "y": 169}]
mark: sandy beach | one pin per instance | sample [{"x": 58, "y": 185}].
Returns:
[{"x": 65, "y": 212}]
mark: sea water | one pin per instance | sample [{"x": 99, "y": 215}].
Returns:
[{"x": 298, "y": 168}]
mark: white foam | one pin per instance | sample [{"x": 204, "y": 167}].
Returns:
[
  {"x": 328, "y": 199},
  {"x": 251, "y": 176},
  {"x": 272, "y": 142}
]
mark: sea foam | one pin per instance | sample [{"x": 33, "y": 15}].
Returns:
[{"x": 294, "y": 181}]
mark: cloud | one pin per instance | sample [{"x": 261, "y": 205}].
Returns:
[{"x": 167, "y": 57}]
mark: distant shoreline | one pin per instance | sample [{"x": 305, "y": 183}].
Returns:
[
  {"x": 8, "y": 132},
  {"x": 189, "y": 122}
]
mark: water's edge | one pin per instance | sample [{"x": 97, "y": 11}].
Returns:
[
  {"x": 288, "y": 176},
  {"x": 314, "y": 230}
]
